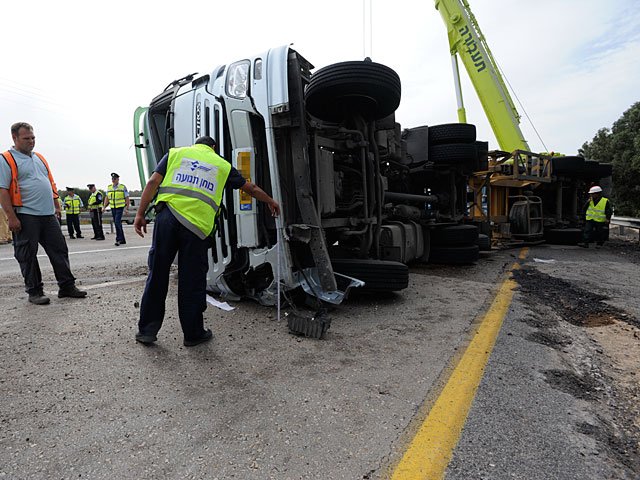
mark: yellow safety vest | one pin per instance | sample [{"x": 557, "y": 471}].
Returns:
[
  {"x": 93, "y": 200},
  {"x": 72, "y": 205},
  {"x": 193, "y": 187},
  {"x": 116, "y": 196},
  {"x": 597, "y": 212}
]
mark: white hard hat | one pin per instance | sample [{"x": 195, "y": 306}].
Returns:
[{"x": 595, "y": 189}]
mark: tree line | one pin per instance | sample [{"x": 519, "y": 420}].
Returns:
[{"x": 620, "y": 146}]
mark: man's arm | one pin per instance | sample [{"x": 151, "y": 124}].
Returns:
[
  {"x": 127, "y": 201},
  {"x": 259, "y": 194},
  {"x": 150, "y": 189},
  {"x": 7, "y": 206},
  {"x": 106, "y": 200}
]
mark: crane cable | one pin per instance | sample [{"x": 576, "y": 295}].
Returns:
[{"x": 526, "y": 114}]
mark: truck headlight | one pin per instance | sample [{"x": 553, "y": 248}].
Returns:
[{"x": 237, "y": 83}]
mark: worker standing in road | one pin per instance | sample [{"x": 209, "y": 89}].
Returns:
[
  {"x": 72, "y": 205},
  {"x": 29, "y": 197},
  {"x": 95, "y": 207},
  {"x": 190, "y": 182},
  {"x": 598, "y": 212},
  {"x": 118, "y": 197}
]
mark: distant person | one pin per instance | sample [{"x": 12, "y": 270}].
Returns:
[
  {"x": 118, "y": 197},
  {"x": 189, "y": 182},
  {"x": 598, "y": 211},
  {"x": 95, "y": 208},
  {"x": 29, "y": 197},
  {"x": 72, "y": 205}
]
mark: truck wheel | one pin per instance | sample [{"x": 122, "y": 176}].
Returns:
[
  {"x": 605, "y": 170},
  {"x": 484, "y": 242},
  {"x": 454, "y": 235},
  {"x": 453, "y": 154},
  {"x": 338, "y": 91},
  {"x": 454, "y": 255},
  {"x": 452, "y": 133},
  {"x": 567, "y": 165},
  {"x": 378, "y": 275},
  {"x": 563, "y": 236}
]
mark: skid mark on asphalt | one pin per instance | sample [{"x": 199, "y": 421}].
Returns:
[
  {"x": 42, "y": 255},
  {"x": 430, "y": 451}
]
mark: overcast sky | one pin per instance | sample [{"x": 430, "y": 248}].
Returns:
[{"x": 77, "y": 70}]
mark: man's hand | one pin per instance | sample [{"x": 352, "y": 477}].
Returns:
[
  {"x": 58, "y": 213},
  {"x": 275, "y": 208},
  {"x": 140, "y": 225},
  {"x": 14, "y": 224}
]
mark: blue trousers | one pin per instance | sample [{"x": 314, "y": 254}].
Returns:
[
  {"x": 171, "y": 237},
  {"x": 117, "y": 221}
]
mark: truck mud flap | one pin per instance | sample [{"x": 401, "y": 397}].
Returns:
[{"x": 311, "y": 327}]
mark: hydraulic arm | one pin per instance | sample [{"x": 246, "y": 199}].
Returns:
[{"x": 467, "y": 41}]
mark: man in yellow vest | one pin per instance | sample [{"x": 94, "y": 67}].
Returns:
[
  {"x": 598, "y": 212},
  {"x": 118, "y": 197},
  {"x": 190, "y": 182},
  {"x": 95, "y": 207},
  {"x": 72, "y": 205}
]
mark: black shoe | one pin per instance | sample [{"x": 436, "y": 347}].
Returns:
[
  {"x": 80, "y": 236},
  {"x": 72, "y": 237},
  {"x": 38, "y": 299},
  {"x": 71, "y": 292},
  {"x": 204, "y": 338},
  {"x": 583, "y": 245},
  {"x": 101, "y": 238},
  {"x": 93, "y": 238},
  {"x": 145, "y": 339},
  {"x": 117, "y": 244},
  {"x": 123, "y": 242}
]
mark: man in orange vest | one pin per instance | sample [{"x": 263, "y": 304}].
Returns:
[{"x": 29, "y": 197}]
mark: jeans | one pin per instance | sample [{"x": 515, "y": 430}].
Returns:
[
  {"x": 43, "y": 230},
  {"x": 117, "y": 220},
  {"x": 171, "y": 237}
]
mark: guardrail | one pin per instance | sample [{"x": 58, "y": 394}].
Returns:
[{"x": 626, "y": 222}]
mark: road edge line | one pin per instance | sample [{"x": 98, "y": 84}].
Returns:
[{"x": 429, "y": 452}]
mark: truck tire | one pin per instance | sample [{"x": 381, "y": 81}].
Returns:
[
  {"x": 452, "y": 133},
  {"x": 484, "y": 243},
  {"x": 454, "y": 255},
  {"x": 591, "y": 170},
  {"x": 563, "y": 236},
  {"x": 567, "y": 165},
  {"x": 378, "y": 275},
  {"x": 605, "y": 170},
  {"x": 340, "y": 90},
  {"x": 454, "y": 235},
  {"x": 453, "y": 154}
]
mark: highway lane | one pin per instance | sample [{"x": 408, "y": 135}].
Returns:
[{"x": 259, "y": 403}]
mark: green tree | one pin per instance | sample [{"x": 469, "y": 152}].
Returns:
[{"x": 621, "y": 147}]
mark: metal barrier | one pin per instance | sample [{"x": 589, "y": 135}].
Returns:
[{"x": 626, "y": 222}]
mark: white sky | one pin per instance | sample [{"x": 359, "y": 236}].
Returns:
[{"x": 76, "y": 70}]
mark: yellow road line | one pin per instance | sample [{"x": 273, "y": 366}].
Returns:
[{"x": 430, "y": 451}]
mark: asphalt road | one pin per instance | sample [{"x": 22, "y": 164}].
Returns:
[{"x": 81, "y": 399}]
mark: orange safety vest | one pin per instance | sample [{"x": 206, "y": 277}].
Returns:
[{"x": 14, "y": 188}]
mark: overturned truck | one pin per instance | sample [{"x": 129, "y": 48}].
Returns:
[{"x": 360, "y": 197}]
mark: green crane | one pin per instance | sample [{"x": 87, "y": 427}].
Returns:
[{"x": 467, "y": 41}]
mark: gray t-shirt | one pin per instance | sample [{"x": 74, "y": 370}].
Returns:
[{"x": 35, "y": 188}]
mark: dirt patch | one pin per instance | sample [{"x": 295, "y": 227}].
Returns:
[
  {"x": 573, "y": 304},
  {"x": 630, "y": 250},
  {"x": 551, "y": 339},
  {"x": 580, "y": 386},
  {"x": 621, "y": 445}
]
